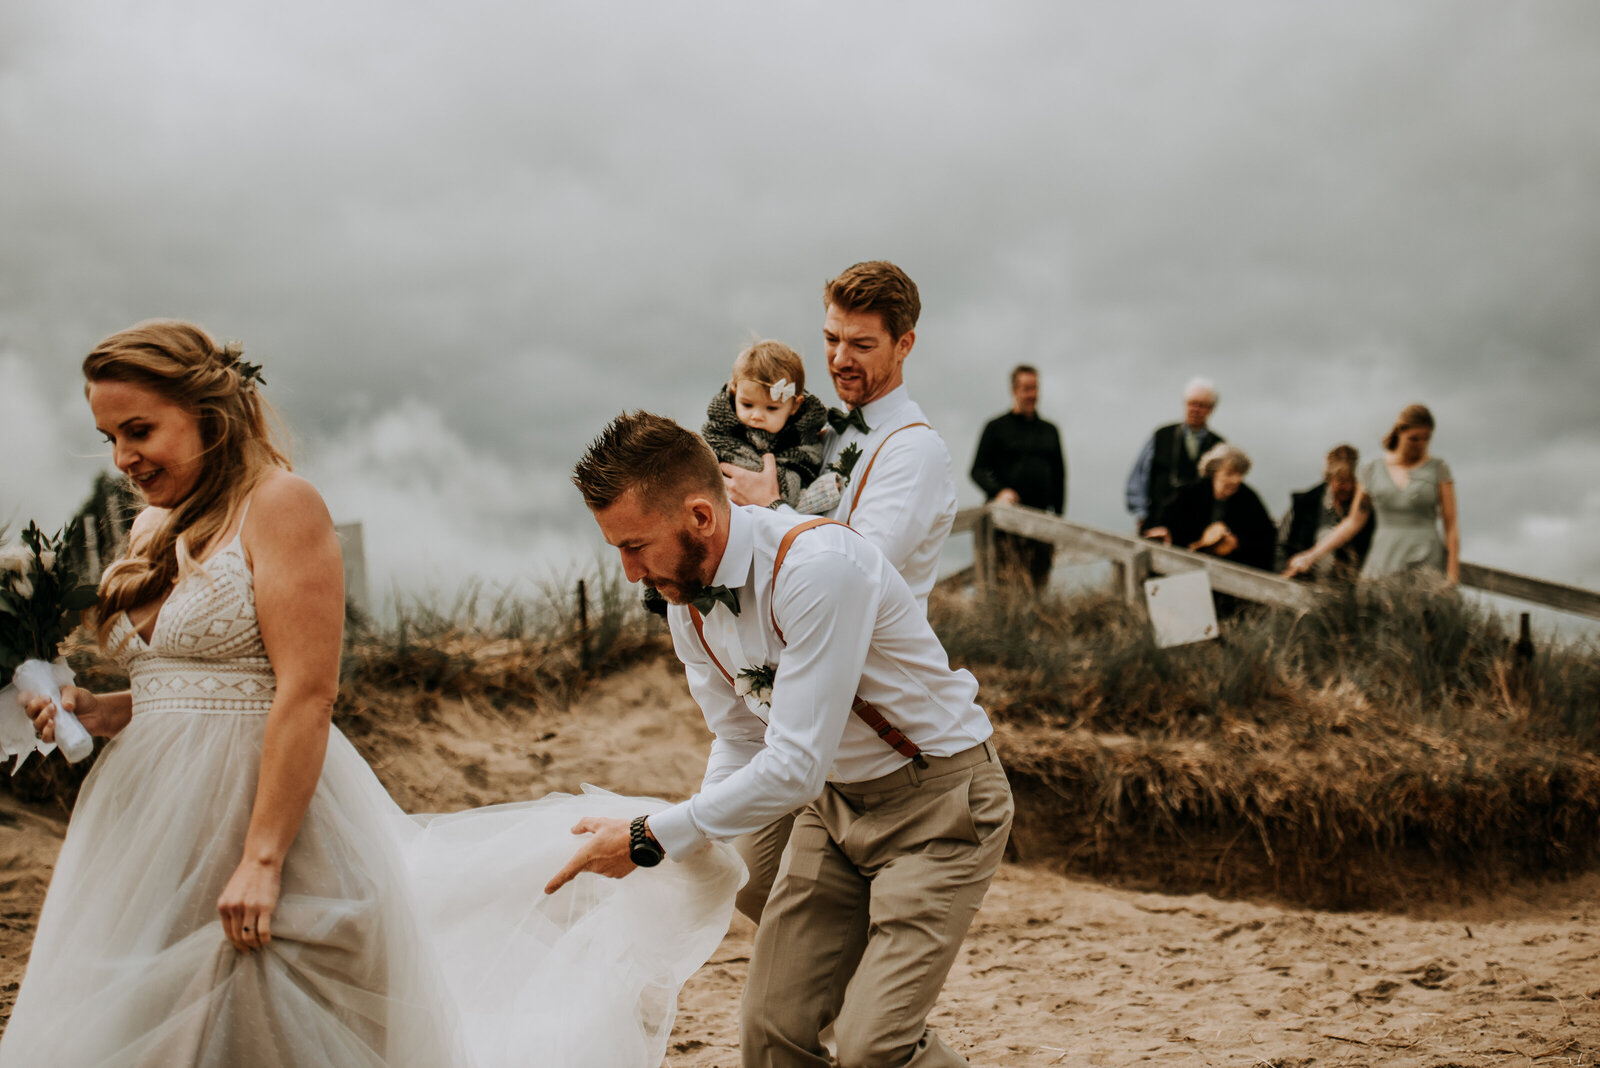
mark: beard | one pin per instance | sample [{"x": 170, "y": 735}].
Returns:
[{"x": 683, "y": 585}]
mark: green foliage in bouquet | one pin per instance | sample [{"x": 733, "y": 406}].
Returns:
[{"x": 41, "y": 596}]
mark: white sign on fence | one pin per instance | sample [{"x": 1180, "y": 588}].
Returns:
[{"x": 1180, "y": 608}]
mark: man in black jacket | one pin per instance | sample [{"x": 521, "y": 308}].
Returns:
[
  {"x": 1019, "y": 461},
  {"x": 1168, "y": 460}
]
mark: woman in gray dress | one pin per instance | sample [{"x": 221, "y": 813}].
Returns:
[{"x": 1413, "y": 495}]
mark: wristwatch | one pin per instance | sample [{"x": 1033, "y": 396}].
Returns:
[{"x": 643, "y": 849}]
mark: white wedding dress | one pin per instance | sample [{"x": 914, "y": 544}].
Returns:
[{"x": 423, "y": 942}]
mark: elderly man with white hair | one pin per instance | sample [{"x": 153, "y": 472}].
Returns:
[{"x": 1170, "y": 459}]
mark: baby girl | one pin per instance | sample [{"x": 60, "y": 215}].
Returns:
[{"x": 765, "y": 408}]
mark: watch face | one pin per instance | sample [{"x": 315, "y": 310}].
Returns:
[{"x": 642, "y": 849}]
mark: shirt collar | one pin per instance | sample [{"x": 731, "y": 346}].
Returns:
[
  {"x": 739, "y": 555},
  {"x": 876, "y": 412}
]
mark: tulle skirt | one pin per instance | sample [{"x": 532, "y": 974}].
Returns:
[{"x": 398, "y": 941}]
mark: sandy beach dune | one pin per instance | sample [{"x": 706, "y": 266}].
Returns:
[{"x": 1057, "y": 971}]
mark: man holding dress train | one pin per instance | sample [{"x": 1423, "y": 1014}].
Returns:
[{"x": 829, "y": 696}]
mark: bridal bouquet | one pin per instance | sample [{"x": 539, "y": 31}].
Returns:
[{"x": 40, "y": 601}]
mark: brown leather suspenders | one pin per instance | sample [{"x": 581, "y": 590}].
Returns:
[
  {"x": 855, "y": 499},
  {"x": 863, "y": 710}
]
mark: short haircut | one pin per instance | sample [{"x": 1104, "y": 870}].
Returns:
[
  {"x": 767, "y": 362},
  {"x": 1342, "y": 460},
  {"x": 651, "y": 454},
  {"x": 1412, "y": 417},
  {"x": 877, "y": 286},
  {"x": 1202, "y": 385},
  {"x": 1223, "y": 455},
  {"x": 1022, "y": 369}
]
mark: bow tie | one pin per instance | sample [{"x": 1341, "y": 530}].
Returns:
[
  {"x": 709, "y": 596},
  {"x": 840, "y": 419}
]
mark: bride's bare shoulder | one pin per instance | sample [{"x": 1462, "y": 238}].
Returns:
[{"x": 286, "y": 506}]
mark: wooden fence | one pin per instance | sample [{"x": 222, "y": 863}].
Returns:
[{"x": 1135, "y": 559}]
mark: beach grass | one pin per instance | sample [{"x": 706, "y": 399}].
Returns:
[{"x": 1388, "y": 746}]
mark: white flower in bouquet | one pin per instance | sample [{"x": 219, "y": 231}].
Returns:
[
  {"x": 755, "y": 682},
  {"x": 47, "y": 562},
  {"x": 15, "y": 560}
]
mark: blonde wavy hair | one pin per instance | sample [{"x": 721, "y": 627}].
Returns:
[
  {"x": 766, "y": 363},
  {"x": 183, "y": 364}
]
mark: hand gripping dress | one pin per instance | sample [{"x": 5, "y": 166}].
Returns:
[{"x": 424, "y": 942}]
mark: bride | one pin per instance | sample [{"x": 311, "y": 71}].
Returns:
[{"x": 236, "y": 888}]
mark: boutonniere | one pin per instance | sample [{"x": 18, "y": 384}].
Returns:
[
  {"x": 755, "y": 682},
  {"x": 846, "y": 462}
]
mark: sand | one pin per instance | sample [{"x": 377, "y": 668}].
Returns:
[{"x": 1056, "y": 971}]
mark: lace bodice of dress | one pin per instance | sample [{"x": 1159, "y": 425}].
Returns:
[{"x": 205, "y": 653}]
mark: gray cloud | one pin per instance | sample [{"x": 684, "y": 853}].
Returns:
[{"x": 498, "y": 226}]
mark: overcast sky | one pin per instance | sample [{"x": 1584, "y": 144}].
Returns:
[{"x": 461, "y": 236}]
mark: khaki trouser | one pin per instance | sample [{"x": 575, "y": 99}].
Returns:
[
  {"x": 872, "y": 900},
  {"x": 761, "y": 852}
]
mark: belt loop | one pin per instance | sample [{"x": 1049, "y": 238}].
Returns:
[{"x": 911, "y": 770}]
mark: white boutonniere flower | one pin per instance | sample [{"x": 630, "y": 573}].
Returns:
[
  {"x": 755, "y": 682},
  {"x": 16, "y": 562}
]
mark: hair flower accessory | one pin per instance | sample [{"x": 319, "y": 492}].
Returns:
[
  {"x": 232, "y": 355},
  {"x": 782, "y": 390},
  {"x": 250, "y": 373}
]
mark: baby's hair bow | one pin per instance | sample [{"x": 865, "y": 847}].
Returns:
[{"x": 782, "y": 390}]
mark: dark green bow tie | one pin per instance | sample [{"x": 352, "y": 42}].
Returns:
[
  {"x": 709, "y": 596},
  {"x": 839, "y": 419}
]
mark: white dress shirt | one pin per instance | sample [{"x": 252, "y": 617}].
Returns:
[
  {"x": 910, "y": 499},
  {"x": 850, "y": 626}
]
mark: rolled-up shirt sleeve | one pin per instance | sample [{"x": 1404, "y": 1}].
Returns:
[{"x": 826, "y": 605}]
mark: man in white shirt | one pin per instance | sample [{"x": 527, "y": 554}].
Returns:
[
  {"x": 899, "y": 489},
  {"x": 899, "y": 485},
  {"x": 855, "y": 719}
]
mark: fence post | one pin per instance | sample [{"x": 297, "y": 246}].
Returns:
[
  {"x": 1134, "y": 572},
  {"x": 983, "y": 562},
  {"x": 583, "y": 626}
]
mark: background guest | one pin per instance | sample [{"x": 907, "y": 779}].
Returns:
[
  {"x": 1315, "y": 512},
  {"x": 1413, "y": 495},
  {"x": 1170, "y": 459},
  {"x": 1219, "y": 514},
  {"x": 1019, "y": 461}
]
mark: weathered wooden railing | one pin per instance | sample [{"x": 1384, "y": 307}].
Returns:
[{"x": 1135, "y": 559}]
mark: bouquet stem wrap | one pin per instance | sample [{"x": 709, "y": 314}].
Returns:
[{"x": 39, "y": 678}]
